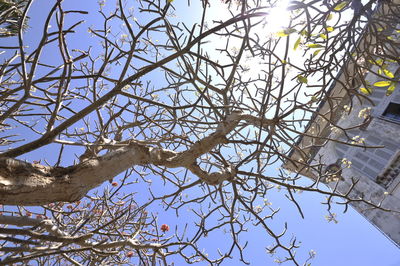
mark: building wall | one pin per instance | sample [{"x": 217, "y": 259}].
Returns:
[{"x": 376, "y": 169}]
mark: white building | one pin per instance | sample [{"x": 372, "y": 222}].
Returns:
[{"x": 376, "y": 170}]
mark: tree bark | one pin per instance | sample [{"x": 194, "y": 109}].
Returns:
[{"x": 23, "y": 183}]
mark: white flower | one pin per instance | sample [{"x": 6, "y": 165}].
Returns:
[
  {"x": 312, "y": 253},
  {"x": 357, "y": 140},
  {"x": 364, "y": 113},
  {"x": 335, "y": 130},
  {"x": 258, "y": 209},
  {"x": 346, "y": 162}
]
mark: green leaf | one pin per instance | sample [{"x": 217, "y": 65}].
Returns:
[
  {"x": 366, "y": 91},
  {"x": 383, "y": 83},
  {"x": 341, "y": 5},
  {"x": 304, "y": 33},
  {"x": 317, "y": 52},
  {"x": 323, "y": 36},
  {"x": 297, "y": 43},
  {"x": 302, "y": 79},
  {"x": 170, "y": 1},
  {"x": 281, "y": 34},
  {"x": 315, "y": 45},
  {"x": 329, "y": 29},
  {"x": 330, "y": 16},
  {"x": 379, "y": 62},
  {"x": 314, "y": 99},
  {"x": 388, "y": 73},
  {"x": 390, "y": 90},
  {"x": 284, "y": 33}
]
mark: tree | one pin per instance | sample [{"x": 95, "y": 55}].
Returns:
[
  {"x": 201, "y": 110},
  {"x": 12, "y": 17}
]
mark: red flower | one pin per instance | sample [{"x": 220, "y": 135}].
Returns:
[
  {"x": 165, "y": 228},
  {"x": 114, "y": 184},
  {"x": 129, "y": 254}
]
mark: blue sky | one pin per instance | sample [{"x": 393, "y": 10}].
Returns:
[{"x": 351, "y": 241}]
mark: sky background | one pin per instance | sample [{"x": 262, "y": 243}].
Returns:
[{"x": 351, "y": 241}]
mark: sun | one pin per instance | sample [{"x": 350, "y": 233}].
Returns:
[{"x": 278, "y": 17}]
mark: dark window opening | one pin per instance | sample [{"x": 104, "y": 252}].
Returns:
[{"x": 392, "y": 111}]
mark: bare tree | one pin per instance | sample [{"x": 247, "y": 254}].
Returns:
[
  {"x": 12, "y": 18},
  {"x": 201, "y": 111}
]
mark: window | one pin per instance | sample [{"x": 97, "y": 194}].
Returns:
[
  {"x": 390, "y": 172},
  {"x": 392, "y": 112}
]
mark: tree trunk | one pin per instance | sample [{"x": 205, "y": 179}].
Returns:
[{"x": 23, "y": 183}]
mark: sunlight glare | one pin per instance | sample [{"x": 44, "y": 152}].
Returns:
[{"x": 278, "y": 17}]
